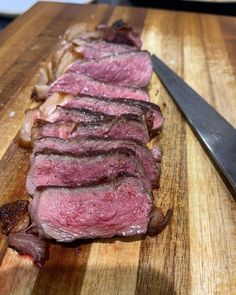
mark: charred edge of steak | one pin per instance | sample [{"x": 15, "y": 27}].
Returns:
[
  {"x": 88, "y": 143},
  {"x": 91, "y": 137},
  {"x": 40, "y": 123},
  {"x": 99, "y": 115},
  {"x": 125, "y": 151},
  {"x": 130, "y": 101},
  {"x": 147, "y": 108},
  {"x": 108, "y": 118},
  {"x": 30, "y": 244},
  {"x": 158, "y": 221},
  {"x": 125, "y": 117},
  {"x": 14, "y": 217},
  {"x": 102, "y": 181}
]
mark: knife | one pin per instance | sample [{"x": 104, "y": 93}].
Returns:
[{"x": 214, "y": 132}]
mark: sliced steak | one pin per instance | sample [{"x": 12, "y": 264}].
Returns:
[
  {"x": 58, "y": 169},
  {"x": 79, "y": 84},
  {"x": 76, "y": 115},
  {"x": 88, "y": 144},
  {"x": 132, "y": 69},
  {"x": 150, "y": 112},
  {"x": 119, "y": 207},
  {"x": 100, "y": 49},
  {"x": 30, "y": 244},
  {"x": 125, "y": 126}
]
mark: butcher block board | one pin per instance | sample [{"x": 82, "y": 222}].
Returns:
[{"x": 195, "y": 254}]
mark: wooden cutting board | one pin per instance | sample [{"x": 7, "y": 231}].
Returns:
[{"x": 196, "y": 252}]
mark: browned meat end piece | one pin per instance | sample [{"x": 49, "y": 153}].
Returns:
[
  {"x": 30, "y": 244},
  {"x": 14, "y": 217}
]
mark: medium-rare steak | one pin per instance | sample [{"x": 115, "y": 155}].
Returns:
[
  {"x": 100, "y": 49},
  {"x": 76, "y": 115},
  {"x": 58, "y": 169},
  {"x": 132, "y": 69},
  {"x": 125, "y": 126},
  {"x": 150, "y": 112},
  {"x": 119, "y": 207},
  {"x": 79, "y": 84},
  {"x": 88, "y": 144}
]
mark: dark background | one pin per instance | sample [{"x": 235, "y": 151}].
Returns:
[{"x": 195, "y": 6}]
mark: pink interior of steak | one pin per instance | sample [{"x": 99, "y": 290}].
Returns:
[
  {"x": 129, "y": 69},
  {"x": 65, "y": 170},
  {"x": 100, "y": 105},
  {"x": 93, "y": 188},
  {"x": 99, "y": 49},
  {"x": 76, "y": 84},
  {"x": 120, "y": 208},
  {"x": 119, "y": 128},
  {"x": 63, "y": 114},
  {"x": 88, "y": 144}
]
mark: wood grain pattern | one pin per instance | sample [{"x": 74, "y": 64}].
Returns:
[{"x": 196, "y": 253}]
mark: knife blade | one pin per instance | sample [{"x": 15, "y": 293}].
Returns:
[{"x": 214, "y": 132}]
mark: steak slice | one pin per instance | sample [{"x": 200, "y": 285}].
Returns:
[
  {"x": 100, "y": 49},
  {"x": 88, "y": 144},
  {"x": 125, "y": 126},
  {"x": 58, "y": 169},
  {"x": 76, "y": 115},
  {"x": 79, "y": 84},
  {"x": 150, "y": 112},
  {"x": 132, "y": 69},
  {"x": 119, "y": 207},
  {"x": 30, "y": 244}
]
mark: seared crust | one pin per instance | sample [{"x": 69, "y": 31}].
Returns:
[
  {"x": 104, "y": 181},
  {"x": 147, "y": 108},
  {"x": 99, "y": 115},
  {"x": 125, "y": 151},
  {"x": 14, "y": 217}
]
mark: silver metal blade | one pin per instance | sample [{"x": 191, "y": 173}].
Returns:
[{"x": 217, "y": 135}]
